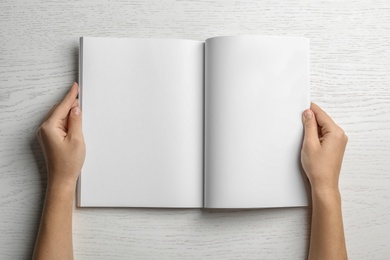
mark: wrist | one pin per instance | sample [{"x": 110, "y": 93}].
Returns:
[
  {"x": 63, "y": 194},
  {"x": 61, "y": 185},
  {"x": 64, "y": 176},
  {"x": 325, "y": 186},
  {"x": 326, "y": 195}
]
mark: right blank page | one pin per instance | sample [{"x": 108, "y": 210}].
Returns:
[{"x": 256, "y": 89}]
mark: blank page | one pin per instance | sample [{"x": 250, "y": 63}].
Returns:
[
  {"x": 256, "y": 90},
  {"x": 142, "y": 103}
]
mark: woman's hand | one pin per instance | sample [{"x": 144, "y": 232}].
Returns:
[
  {"x": 322, "y": 154},
  {"x": 62, "y": 141},
  {"x": 322, "y": 150}
]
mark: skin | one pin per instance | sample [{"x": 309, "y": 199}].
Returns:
[
  {"x": 62, "y": 143},
  {"x": 322, "y": 154}
]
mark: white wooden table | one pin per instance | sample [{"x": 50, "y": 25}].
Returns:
[{"x": 350, "y": 78}]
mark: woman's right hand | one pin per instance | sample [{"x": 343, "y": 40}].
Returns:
[{"x": 322, "y": 150}]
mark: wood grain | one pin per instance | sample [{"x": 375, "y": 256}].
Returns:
[{"x": 350, "y": 78}]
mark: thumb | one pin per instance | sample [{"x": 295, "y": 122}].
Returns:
[
  {"x": 310, "y": 126},
  {"x": 74, "y": 122}
]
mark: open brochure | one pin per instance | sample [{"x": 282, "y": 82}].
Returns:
[{"x": 184, "y": 123}]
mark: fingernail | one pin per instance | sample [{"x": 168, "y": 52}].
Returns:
[
  {"x": 308, "y": 114},
  {"x": 76, "y": 110}
]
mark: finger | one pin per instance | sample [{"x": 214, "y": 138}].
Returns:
[
  {"x": 311, "y": 128},
  {"x": 66, "y": 104},
  {"x": 75, "y": 103},
  {"x": 322, "y": 117},
  {"x": 74, "y": 123}
]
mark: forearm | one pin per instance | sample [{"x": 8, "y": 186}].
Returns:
[
  {"x": 327, "y": 232},
  {"x": 54, "y": 239}
]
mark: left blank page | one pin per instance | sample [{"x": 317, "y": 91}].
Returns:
[{"x": 142, "y": 103}]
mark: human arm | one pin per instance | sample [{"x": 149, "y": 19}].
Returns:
[
  {"x": 62, "y": 143},
  {"x": 322, "y": 154}
]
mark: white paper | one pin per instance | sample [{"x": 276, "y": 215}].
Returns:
[
  {"x": 256, "y": 90},
  {"x": 142, "y": 103}
]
